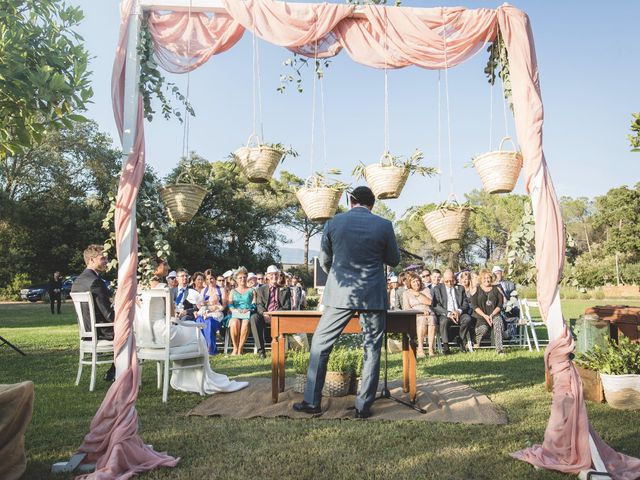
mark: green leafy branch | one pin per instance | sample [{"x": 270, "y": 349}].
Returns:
[
  {"x": 455, "y": 205},
  {"x": 622, "y": 358},
  {"x": 324, "y": 180},
  {"x": 411, "y": 163},
  {"x": 295, "y": 65},
  {"x": 635, "y": 128},
  {"x": 153, "y": 83},
  {"x": 498, "y": 58}
]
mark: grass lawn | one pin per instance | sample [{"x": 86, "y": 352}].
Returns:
[{"x": 284, "y": 448}]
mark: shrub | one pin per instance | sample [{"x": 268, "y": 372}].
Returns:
[
  {"x": 300, "y": 360},
  {"x": 599, "y": 294},
  {"x": 312, "y": 303},
  {"x": 622, "y": 358},
  {"x": 12, "y": 290},
  {"x": 345, "y": 360}
]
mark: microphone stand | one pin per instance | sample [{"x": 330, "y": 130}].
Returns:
[
  {"x": 385, "y": 393},
  {"x": 4, "y": 341}
]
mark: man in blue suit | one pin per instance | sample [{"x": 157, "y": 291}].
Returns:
[{"x": 355, "y": 247}]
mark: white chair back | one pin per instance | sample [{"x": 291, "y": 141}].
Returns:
[
  {"x": 80, "y": 299},
  {"x": 146, "y": 336}
]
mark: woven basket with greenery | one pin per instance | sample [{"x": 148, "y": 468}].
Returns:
[
  {"x": 257, "y": 161},
  {"x": 447, "y": 224},
  {"x": 300, "y": 360},
  {"x": 499, "y": 170},
  {"x": 337, "y": 384},
  {"x": 318, "y": 199},
  {"x": 385, "y": 179},
  {"x": 182, "y": 199},
  {"x": 342, "y": 365}
]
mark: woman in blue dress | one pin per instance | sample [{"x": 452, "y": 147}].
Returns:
[{"x": 241, "y": 302}]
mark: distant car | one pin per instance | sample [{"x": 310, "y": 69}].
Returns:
[{"x": 38, "y": 292}]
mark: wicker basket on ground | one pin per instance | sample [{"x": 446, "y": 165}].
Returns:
[
  {"x": 299, "y": 382},
  {"x": 182, "y": 199},
  {"x": 258, "y": 162},
  {"x": 337, "y": 384},
  {"x": 499, "y": 170},
  {"x": 386, "y": 179},
  {"x": 319, "y": 202},
  {"x": 446, "y": 224}
]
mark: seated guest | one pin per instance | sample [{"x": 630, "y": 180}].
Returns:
[
  {"x": 259, "y": 279},
  {"x": 392, "y": 287},
  {"x": 452, "y": 308},
  {"x": 400, "y": 290},
  {"x": 425, "y": 276},
  {"x": 172, "y": 284},
  {"x": 416, "y": 297},
  {"x": 212, "y": 312},
  {"x": 197, "y": 282},
  {"x": 297, "y": 294},
  {"x": 251, "y": 280},
  {"x": 186, "y": 380},
  {"x": 269, "y": 298},
  {"x": 241, "y": 301},
  {"x": 185, "y": 309},
  {"x": 487, "y": 303},
  {"x": 464, "y": 279},
  {"x": 89, "y": 281},
  {"x": 436, "y": 278},
  {"x": 507, "y": 287}
]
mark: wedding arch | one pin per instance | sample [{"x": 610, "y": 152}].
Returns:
[{"x": 186, "y": 33}]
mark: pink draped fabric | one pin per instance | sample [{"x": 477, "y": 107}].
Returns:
[
  {"x": 113, "y": 442},
  {"x": 386, "y": 37},
  {"x": 182, "y": 43}
]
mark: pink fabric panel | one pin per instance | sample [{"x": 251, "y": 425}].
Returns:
[
  {"x": 113, "y": 442},
  {"x": 529, "y": 115},
  {"x": 566, "y": 439},
  {"x": 183, "y": 43},
  {"x": 620, "y": 466},
  {"x": 287, "y": 24}
]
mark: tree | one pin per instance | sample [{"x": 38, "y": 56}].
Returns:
[
  {"x": 617, "y": 216},
  {"x": 44, "y": 81},
  {"x": 577, "y": 213}
]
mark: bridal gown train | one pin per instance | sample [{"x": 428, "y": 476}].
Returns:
[{"x": 188, "y": 380}]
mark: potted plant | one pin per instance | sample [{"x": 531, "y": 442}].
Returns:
[
  {"x": 259, "y": 160},
  {"x": 320, "y": 195},
  {"x": 499, "y": 169},
  {"x": 388, "y": 177},
  {"x": 182, "y": 199},
  {"x": 340, "y": 369},
  {"x": 619, "y": 367},
  {"x": 300, "y": 360},
  {"x": 448, "y": 221}
]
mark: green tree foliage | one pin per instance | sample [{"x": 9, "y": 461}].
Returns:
[
  {"x": 521, "y": 248},
  {"x": 52, "y": 200},
  {"x": 44, "y": 81},
  {"x": 634, "y": 137},
  {"x": 236, "y": 224},
  {"x": 617, "y": 216}
]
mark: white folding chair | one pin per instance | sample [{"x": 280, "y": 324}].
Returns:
[
  {"x": 89, "y": 343},
  {"x": 158, "y": 348},
  {"x": 526, "y": 321}
]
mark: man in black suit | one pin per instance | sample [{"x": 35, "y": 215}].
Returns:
[
  {"x": 269, "y": 297},
  {"x": 89, "y": 281},
  {"x": 452, "y": 307}
]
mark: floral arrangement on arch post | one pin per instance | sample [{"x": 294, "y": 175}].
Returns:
[{"x": 388, "y": 177}]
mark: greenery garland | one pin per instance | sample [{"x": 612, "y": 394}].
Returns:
[
  {"x": 498, "y": 57},
  {"x": 153, "y": 84}
]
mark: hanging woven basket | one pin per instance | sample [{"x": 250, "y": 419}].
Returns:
[
  {"x": 258, "y": 162},
  {"x": 182, "y": 199},
  {"x": 385, "y": 179},
  {"x": 318, "y": 202},
  {"x": 499, "y": 170},
  {"x": 446, "y": 224}
]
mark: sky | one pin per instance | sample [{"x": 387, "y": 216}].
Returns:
[{"x": 588, "y": 65}]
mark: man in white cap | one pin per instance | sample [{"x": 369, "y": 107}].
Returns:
[
  {"x": 393, "y": 287},
  {"x": 269, "y": 297},
  {"x": 504, "y": 285},
  {"x": 172, "y": 283},
  {"x": 251, "y": 280}
]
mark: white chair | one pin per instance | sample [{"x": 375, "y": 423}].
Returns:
[
  {"x": 89, "y": 343},
  {"x": 528, "y": 324},
  {"x": 159, "y": 349}
]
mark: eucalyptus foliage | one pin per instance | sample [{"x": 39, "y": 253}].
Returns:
[
  {"x": 634, "y": 138},
  {"x": 499, "y": 58},
  {"x": 621, "y": 358}
]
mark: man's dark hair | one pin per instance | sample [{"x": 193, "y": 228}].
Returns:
[
  {"x": 362, "y": 196},
  {"x": 435, "y": 270}
]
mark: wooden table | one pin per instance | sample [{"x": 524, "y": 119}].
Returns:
[{"x": 306, "y": 321}]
